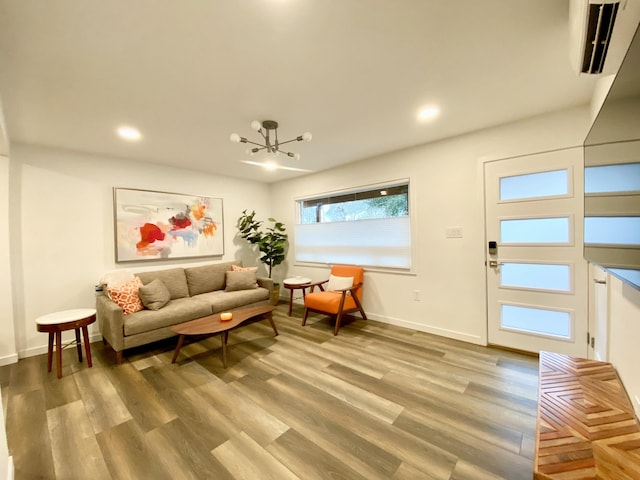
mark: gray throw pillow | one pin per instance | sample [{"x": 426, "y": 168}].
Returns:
[
  {"x": 241, "y": 281},
  {"x": 154, "y": 295}
]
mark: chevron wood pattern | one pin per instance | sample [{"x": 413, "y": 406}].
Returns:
[{"x": 586, "y": 428}]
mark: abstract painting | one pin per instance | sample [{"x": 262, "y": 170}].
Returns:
[{"x": 159, "y": 225}]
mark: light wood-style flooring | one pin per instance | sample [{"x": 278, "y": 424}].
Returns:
[{"x": 375, "y": 402}]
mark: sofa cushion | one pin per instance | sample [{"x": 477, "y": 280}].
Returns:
[
  {"x": 174, "y": 312},
  {"x": 174, "y": 279},
  {"x": 126, "y": 296},
  {"x": 154, "y": 295},
  {"x": 241, "y": 281},
  {"x": 207, "y": 278},
  {"x": 221, "y": 301}
]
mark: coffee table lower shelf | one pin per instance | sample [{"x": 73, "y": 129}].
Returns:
[{"x": 213, "y": 325}]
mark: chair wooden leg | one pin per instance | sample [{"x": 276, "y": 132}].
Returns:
[
  {"x": 304, "y": 317},
  {"x": 339, "y": 316},
  {"x": 364, "y": 316},
  {"x": 338, "y": 320},
  {"x": 119, "y": 357}
]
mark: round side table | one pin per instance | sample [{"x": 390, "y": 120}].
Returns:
[
  {"x": 295, "y": 283},
  {"x": 58, "y": 322}
]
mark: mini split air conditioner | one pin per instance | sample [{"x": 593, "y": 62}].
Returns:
[{"x": 591, "y": 26}]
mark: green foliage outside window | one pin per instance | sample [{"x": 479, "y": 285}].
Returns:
[{"x": 341, "y": 209}]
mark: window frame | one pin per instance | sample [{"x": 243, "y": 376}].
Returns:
[{"x": 298, "y": 201}]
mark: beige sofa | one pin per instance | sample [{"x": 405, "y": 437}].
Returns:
[{"x": 194, "y": 292}]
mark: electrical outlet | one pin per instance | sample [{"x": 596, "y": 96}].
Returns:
[
  {"x": 453, "y": 232},
  {"x": 416, "y": 295}
]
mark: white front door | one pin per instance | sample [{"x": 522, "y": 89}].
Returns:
[{"x": 536, "y": 274}]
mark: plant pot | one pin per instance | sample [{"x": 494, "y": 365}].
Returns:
[{"x": 275, "y": 294}]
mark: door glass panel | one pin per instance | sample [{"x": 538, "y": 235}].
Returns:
[
  {"x": 534, "y": 185},
  {"x": 536, "y": 276},
  {"x": 536, "y": 320},
  {"x": 612, "y": 178},
  {"x": 535, "y": 230},
  {"x": 612, "y": 230}
]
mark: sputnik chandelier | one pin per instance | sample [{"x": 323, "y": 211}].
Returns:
[{"x": 269, "y": 131}]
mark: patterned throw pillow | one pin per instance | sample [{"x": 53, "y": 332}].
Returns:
[
  {"x": 236, "y": 268},
  {"x": 126, "y": 296}
]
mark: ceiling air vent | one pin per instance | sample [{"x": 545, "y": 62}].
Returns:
[{"x": 600, "y": 20}]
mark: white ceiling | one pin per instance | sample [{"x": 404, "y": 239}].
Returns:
[{"x": 353, "y": 72}]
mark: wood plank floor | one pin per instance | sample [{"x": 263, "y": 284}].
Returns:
[{"x": 375, "y": 402}]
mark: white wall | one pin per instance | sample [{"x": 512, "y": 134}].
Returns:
[
  {"x": 65, "y": 226},
  {"x": 7, "y": 339},
  {"x": 446, "y": 190}
]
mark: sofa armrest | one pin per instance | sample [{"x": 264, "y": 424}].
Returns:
[
  {"x": 111, "y": 321},
  {"x": 265, "y": 282}
]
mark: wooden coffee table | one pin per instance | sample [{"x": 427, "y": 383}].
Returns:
[{"x": 212, "y": 325}]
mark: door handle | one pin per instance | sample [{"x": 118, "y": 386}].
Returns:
[
  {"x": 495, "y": 263},
  {"x": 600, "y": 282}
]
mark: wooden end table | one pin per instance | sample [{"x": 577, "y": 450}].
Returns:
[
  {"x": 212, "y": 325},
  {"x": 58, "y": 322},
  {"x": 296, "y": 283}
]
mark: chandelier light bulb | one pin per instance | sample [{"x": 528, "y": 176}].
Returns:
[
  {"x": 235, "y": 138},
  {"x": 256, "y": 125},
  {"x": 306, "y": 136},
  {"x": 297, "y": 156}
]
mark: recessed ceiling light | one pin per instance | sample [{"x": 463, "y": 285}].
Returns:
[
  {"x": 428, "y": 113},
  {"x": 129, "y": 133}
]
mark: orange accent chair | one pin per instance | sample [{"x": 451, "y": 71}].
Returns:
[{"x": 336, "y": 302}]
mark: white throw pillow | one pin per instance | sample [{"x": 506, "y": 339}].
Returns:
[
  {"x": 116, "y": 278},
  {"x": 339, "y": 283}
]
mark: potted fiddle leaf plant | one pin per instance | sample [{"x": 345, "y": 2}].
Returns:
[{"x": 271, "y": 242}]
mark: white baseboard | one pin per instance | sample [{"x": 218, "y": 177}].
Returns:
[
  {"x": 421, "y": 327},
  {"x": 41, "y": 349},
  {"x": 8, "y": 359}
]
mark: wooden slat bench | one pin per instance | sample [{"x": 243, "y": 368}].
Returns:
[{"x": 586, "y": 425}]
